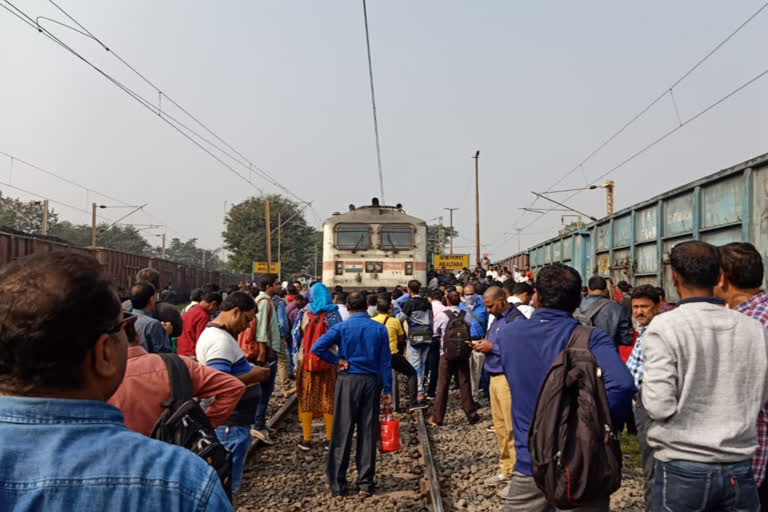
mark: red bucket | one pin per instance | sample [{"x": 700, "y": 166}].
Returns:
[{"x": 390, "y": 434}]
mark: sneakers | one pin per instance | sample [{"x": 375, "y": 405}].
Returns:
[
  {"x": 503, "y": 493},
  {"x": 495, "y": 480},
  {"x": 431, "y": 398},
  {"x": 491, "y": 429},
  {"x": 304, "y": 445},
  {"x": 473, "y": 419},
  {"x": 431, "y": 422},
  {"x": 417, "y": 406},
  {"x": 364, "y": 494},
  {"x": 262, "y": 435},
  {"x": 420, "y": 397}
]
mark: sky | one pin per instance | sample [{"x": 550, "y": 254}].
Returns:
[{"x": 534, "y": 86}]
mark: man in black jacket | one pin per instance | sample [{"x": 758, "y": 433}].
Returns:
[
  {"x": 416, "y": 315},
  {"x": 606, "y": 314}
]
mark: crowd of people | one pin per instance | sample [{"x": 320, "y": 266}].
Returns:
[{"x": 87, "y": 382}]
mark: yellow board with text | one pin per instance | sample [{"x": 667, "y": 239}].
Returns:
[
  {"x": 260, "y": 267},
  {"x": 450, "y": 262}
]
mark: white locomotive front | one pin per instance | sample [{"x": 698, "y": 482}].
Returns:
[{"x": 372, "y": 246}]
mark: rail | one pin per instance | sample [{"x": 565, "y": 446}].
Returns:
[{"x": 429, "y": 466}]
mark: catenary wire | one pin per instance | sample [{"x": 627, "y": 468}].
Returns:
[{"x": 373, "y": 101}]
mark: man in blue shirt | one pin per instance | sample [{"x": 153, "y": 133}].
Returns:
[
  {"x": 62, "y": 446},
  {"x": 365, "y": 363},
  {"x": 495, "y": 301},
  {"x": 529, "y": 348},
  {"x": 476, "y": 311}
]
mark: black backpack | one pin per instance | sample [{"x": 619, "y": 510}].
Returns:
[
  {"x": 184, "y": 423},
  {"x": 575, "y": 455},
  {"x": 455, "y": 341}
]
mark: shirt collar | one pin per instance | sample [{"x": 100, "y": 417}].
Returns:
[
  {"x": 136, "y": 351},
  {"x": 16, "y": 409},
  {"x": 364, "y": 313},
  {"x": 140, "y": 312},
  {"x": 514, "y": 300},
  {"x": 710, "y": 300},
  {"x": 752, "y": 301}
]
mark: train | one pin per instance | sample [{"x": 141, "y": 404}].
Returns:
[
  {"x": 121, "y": 266},
  {"x": 730, "y": 205},
  {"x": 372, "y": 246}
]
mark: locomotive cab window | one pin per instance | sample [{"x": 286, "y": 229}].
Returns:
[
  {"x": 396, "y": 237},
  {"x": 353, "y": 237}
]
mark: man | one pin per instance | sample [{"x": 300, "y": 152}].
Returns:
[
  {"x": 340, "y": 299},
  {"x": 417, "y": 314},
  {"x": 399, "y": 363},
  {"x": 478, "y": 314},
  {"x": 62, "y": 446},
  {"x": 664, "y": 306},
  {"x": 626, "y": 297},
  {"x": 364, "y": 361},
  {"x": 433, "y": 355},
  {"x": 146, "y": 386},
  {"x": 153, "y": 334},
  {"x": 195, "y": 296},
  {"x": 520, "y": 296},
  {"x": 195, "y": 320},
  {"x": 528, "y": 350},
  {"x": 740, "y": 286},
  {"x": 606, "y": 314},
  {"x": 218, "y": 348},
  {"x": 449, "y": 368},
  {"x": 163, "y": 311},
  {"x": 704, "y": 385},
  {"x": 501, "y": 401},
  {"x": 284, "y": 353},
  {"x": 268, "y": 340},
  {"x": 492, "y": 274},
  {"x": 645, "y": 303}
]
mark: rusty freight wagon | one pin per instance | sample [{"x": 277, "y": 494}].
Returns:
[{"x": 634, "y": 243}]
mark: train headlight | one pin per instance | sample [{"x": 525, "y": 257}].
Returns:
[
  {"x": 408, "y": 268},
  {"x": 374, "y": 267},
  {"x": 339, "y": 268}
]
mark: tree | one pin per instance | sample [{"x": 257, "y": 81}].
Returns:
[
  {"x": 433, "y": 240},
  {"x": 188, "y": 253},
  {"x": 121, "y": 238},
  {"x": 245, "y": 235},
  {"x": 26, "y": 216}
]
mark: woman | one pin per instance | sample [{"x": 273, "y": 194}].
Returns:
[{"x": 315, "y": 379}]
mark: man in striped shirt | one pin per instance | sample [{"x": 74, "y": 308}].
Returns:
[{"x": 740, "y": 286}]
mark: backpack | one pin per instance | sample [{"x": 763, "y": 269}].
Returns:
[
  {"x": 455, "y": 341},
  {"x": 315, "y": 328},
  {"x": 247, "y": 338},
  {"x": 419, "y": 313},
  {"x": 183, "y": 423},
  {"x": 587, "y": 318},
  {"x": 575, "y": 456}
]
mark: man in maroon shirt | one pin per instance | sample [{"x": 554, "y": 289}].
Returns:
[{"x": 195, "y": 321}]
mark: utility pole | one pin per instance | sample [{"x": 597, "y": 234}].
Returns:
[
  {"x": 608, "y": 186},
  {"x": 315, "y": 271},
  {"x": 44, "y": 230},
  {"x": 163, "y": 252},
  {"x": 451, "y": 232},
  {"x": 477, "y": 206},
  {"x": 203, "y": 259},
  {"x": 93, "y": 226},
  {"x": 269, "y": 236},
  {"x": 441, "y": 238},
  {"x": 279, "y": 232}
]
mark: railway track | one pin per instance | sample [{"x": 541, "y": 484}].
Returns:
[{"x": 281, "y": 477}]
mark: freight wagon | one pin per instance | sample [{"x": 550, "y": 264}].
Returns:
[
  {"x": 121, "y": 266},
  {"x": 634, "y": 244}
]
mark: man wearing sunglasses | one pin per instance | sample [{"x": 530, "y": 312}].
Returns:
[{"x": 62, "y": 446}]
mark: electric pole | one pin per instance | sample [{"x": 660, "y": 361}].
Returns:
[
  {"x": 608, "y": 186},
  {"x": 44, "y": 229},
  {"x": 269, "y": 236},
  {"x": 163, "y": 251},
  {"x": 477, "y": 206},
  {"x": 279, "y": 232},
  {"x": 441, "y": 238},
  {"x": 451, "y": 232},
  {"x": 93, "y": 226}
]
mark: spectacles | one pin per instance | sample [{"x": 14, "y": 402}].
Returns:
[{"x": 129, "y": 319}]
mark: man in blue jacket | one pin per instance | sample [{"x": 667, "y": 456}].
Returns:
[
  {"x": 478, "y": 313},
  {"x": 364, "y": 361},
  {"x": 528, "y": 349}
]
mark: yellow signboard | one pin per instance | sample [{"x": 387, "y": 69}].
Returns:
[
  {"x": 260, "y": 267},
  {"x": 450, "y": 262}
]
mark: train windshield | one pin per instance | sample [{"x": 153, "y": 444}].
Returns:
[
  {"x": 396, "y": 237},
  {"x": 353, "y": 237}
]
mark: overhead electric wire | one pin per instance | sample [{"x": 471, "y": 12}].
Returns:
[
  {"x": 169, "y": 119},
  {"x": 667, "y": 90},
  {"x": 373, "y": 102}
]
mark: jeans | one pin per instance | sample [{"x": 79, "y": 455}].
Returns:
[
  {"x": 418, "y": 358},
  {"x": 267, "y": 387},
  {"x": 642, "y": 421},
  {"x": 682, "y": 485},
  {"x": 476, "y": 363},
  {"x": 237, "y": 440},
  {"x": 525, "y": 496},
  {"x": 433, "y": 365}
]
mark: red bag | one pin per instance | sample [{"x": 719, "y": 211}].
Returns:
[
  {"x": 315, "y": 328},
  {"x": 389, "y": 432},
  {"x": 247, "y": 338}
]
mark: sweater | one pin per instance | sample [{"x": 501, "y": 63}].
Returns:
[{"x": 704, "y": 383}]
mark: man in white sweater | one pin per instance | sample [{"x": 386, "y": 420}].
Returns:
[{"x": 705, "y": 382}]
